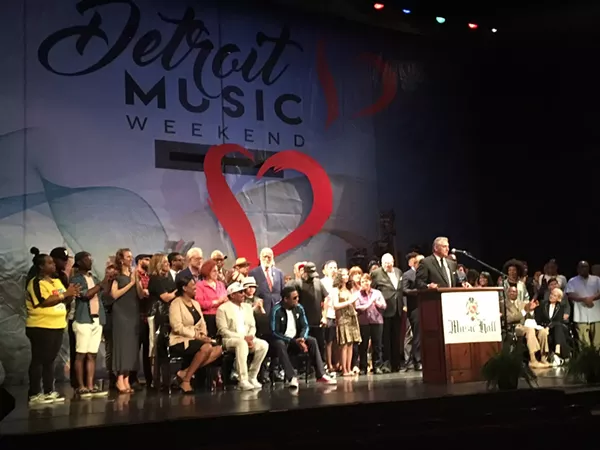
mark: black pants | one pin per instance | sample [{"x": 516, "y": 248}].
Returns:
[
  {"x": 354, "y": 355},
  {"x": 211, "y": 325},
  {"x": 45, "y": 345},
  {"x": 413, "y": 318},
  {"x": 144, "y": 344},
  {"x": 107, "y": 332},
  {"x": 284, "y": 349},
  {"x": 373, "y": 332},
  {"x": 559, "y": 335},
  {"x": 393, "y": 347},
  {"x": 318, "y": 333}
]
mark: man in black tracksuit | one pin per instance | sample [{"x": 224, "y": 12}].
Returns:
[{"x": 290, "y": 334}]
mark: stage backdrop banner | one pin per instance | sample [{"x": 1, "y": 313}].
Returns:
[
  {"x": 162, "y": 125},
  {"x": 471, "y": 316}
]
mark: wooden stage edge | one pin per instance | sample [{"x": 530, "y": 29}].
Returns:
[{"x": 147, "y": 407}]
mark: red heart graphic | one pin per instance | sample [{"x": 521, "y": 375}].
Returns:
[
  {"x": 233, "y": 218},
  {"x": 389, "y": 83}
]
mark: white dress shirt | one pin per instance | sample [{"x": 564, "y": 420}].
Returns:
[
  {"x": 551, "y": 309},
  {"x": 241, "y": 321},
  {"x": 393, "y": 278}
]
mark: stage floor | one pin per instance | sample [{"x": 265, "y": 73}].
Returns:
[{"x": 145, "y": 407}]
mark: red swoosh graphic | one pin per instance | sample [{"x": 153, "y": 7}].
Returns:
[
  {"x": 224, "y": 204},
  {"x": 389, "y": 82},
  {"x": 328, "y": 84},
  {"x": 233, "y": 218}
]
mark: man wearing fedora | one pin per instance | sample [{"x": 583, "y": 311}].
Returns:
[
  {"x": 218, "y": 257},
  {"x": 239, "y": 272},
  {"x": 237, "y": 327}
]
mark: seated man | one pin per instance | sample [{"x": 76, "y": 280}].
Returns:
[
  {"x": 552, "y": 314},
  {"x": 290, "y": 334},
  {"x": 236, "y": 325},
  {"x": 516, "y": 313}
]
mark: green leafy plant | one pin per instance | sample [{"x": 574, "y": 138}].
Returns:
[
  {"x": 585, "y": 365},
  {"x": 504, "y": 369}
]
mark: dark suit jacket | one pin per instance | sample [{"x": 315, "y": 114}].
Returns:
[
  {"x": 393, "y": 295},
  {"x": 270, "y": 297},
  {"x": 542, "y": 315},
  {"x": 409, "y": 284},
  {"x": 429, "y": 271}
]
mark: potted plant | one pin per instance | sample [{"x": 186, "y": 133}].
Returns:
[
  {"x": 585, "y": 365},
  {"x": 504, "y": 369}
]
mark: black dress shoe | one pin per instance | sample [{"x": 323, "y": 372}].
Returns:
[{"x": 418, "y": 366}]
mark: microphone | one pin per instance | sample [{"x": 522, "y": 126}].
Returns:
[{"x": 456, "y": 250}]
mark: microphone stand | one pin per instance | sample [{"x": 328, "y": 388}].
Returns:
[{"x": 504, "y": 277}]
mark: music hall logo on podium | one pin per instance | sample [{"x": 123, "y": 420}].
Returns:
[{"x": 472, "y": 309}]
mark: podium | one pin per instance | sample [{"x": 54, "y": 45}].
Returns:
[{"x": 460, "y": 331}]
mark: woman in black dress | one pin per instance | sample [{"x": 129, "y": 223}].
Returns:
[{"x": 125, "y": 290}]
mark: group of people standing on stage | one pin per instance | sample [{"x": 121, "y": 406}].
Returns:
[{"x": 344, "y": 309}]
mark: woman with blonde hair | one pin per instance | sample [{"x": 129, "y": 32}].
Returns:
[
  {"x": 161, "y": 287},
  {"x": 161, "y": 291}
]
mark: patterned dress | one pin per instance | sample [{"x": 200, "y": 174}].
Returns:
[{"x": 348, "y": 330}]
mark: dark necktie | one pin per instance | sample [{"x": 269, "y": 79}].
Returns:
[{"x": 444, "y": 274}]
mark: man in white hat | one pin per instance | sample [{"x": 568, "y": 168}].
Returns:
[{"x": 237, "y": 327}]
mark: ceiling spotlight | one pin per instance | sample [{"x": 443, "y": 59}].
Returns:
[
  {"x": 378, "y": 6},
  {"x": 473, "y": 26},
  {"x": 440, "y": 19},
  {"x": 406, "y": 11},
  {"x": 494, "y": 30}
]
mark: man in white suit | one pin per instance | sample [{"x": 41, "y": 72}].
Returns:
[{"x": 236, "y": 325}]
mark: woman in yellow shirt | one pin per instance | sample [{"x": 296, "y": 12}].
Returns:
[{"x": 46, "y": 322}]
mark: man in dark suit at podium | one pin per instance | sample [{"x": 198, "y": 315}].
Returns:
[{"x": 437, "y": 270}]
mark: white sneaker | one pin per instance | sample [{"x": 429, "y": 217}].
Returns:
[
  {"x": 325, "y": 379},
  {"x": 254, "y": 382},
  {"x": 245, "y": 385},
  {"x": 293, "y": 383},
  {"x": 55, "y": 397},
  {"x": 557, "y": 361},
  {"x": 39, "y": 399}
]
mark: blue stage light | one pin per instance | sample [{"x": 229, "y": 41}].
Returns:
[
  {"x": 406, "y": 11},
  {"x": 440, "y": 19}
]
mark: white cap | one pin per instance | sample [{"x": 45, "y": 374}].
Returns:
[{"x": 235, "y": 287}]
